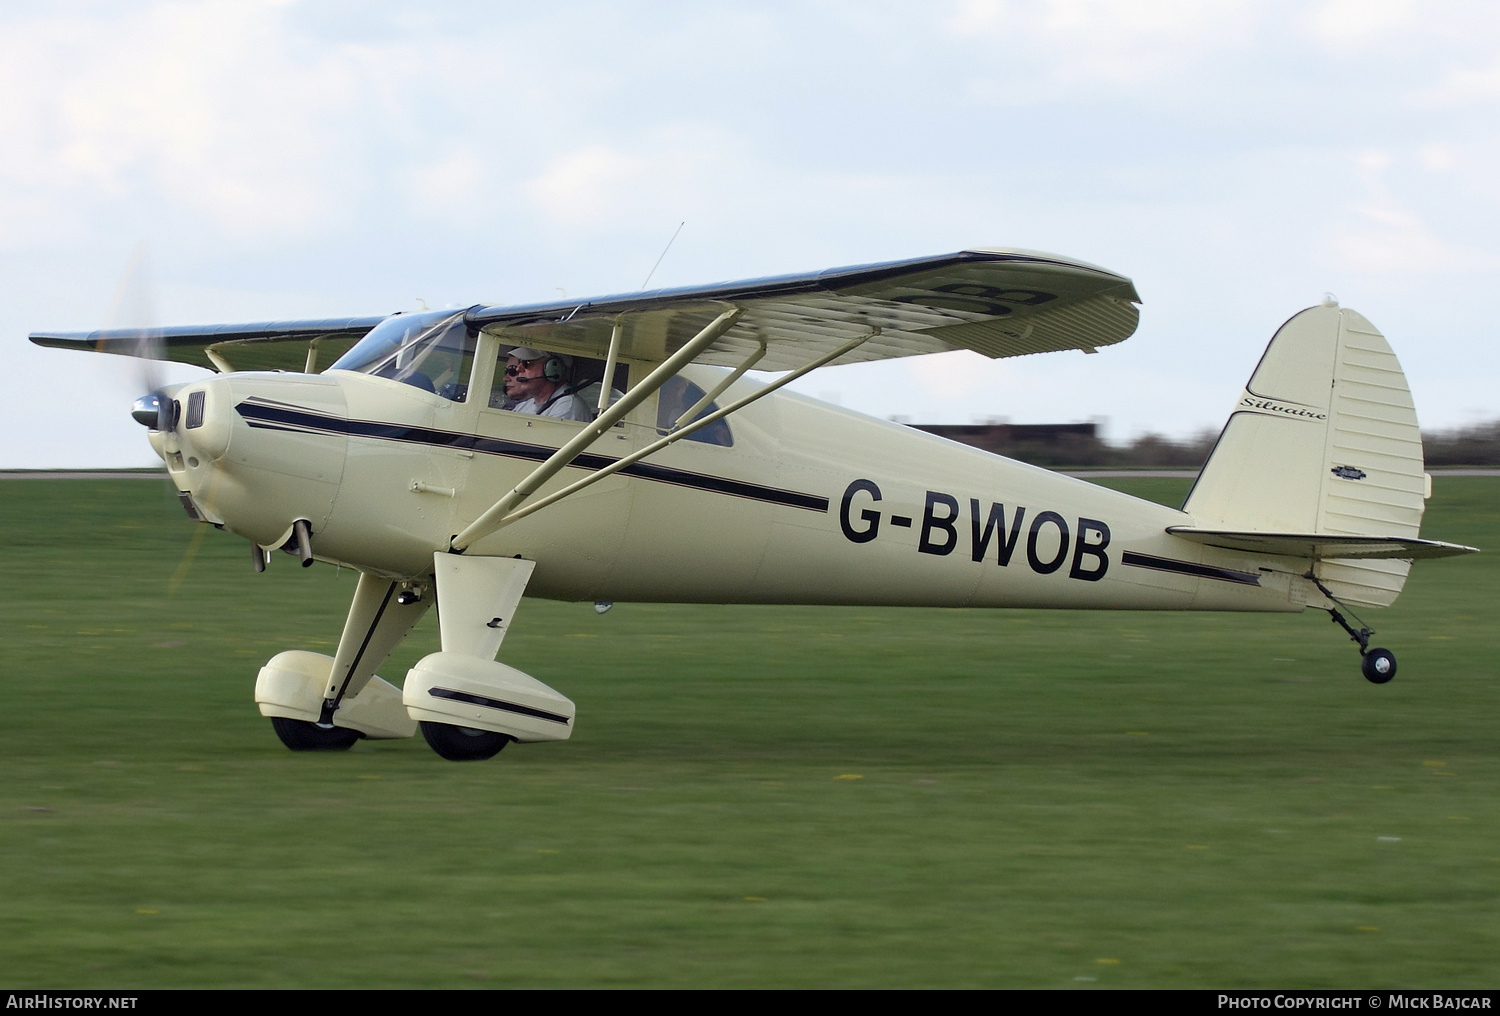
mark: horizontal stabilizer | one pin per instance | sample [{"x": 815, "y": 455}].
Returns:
[{"x": 1321, "y": 546}]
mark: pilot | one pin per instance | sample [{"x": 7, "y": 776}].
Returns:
[{"x": 536, "y": 382}]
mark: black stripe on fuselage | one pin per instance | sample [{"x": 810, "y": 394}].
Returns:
[
  {"x": 491, "y": 703},
  {"x": 263, "y": 415},
  {"x": 1205, "y": 571}
]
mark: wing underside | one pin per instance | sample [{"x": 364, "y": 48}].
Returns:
[{"x": 995, "y": 302}]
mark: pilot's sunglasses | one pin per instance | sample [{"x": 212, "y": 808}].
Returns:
[{"x": 511, "y": 369}]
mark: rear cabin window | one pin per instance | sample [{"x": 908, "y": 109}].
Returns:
[{"x": 679, "y": 395}]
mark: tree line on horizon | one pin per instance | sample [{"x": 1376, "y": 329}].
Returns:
[{"x": 1080, "y": 446}]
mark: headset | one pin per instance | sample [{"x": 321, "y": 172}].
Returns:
[{"x": 554, "y": 367}]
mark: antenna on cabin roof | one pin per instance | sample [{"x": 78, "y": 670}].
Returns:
[{"x": 664, "y": 252}]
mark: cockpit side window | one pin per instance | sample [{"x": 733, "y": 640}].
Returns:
[
  {"x": 679, "y": 395},
  {"x": 544, "y": 383},
  {"x": 589, "y": 378},
  {"x": 433, "y": 351}
]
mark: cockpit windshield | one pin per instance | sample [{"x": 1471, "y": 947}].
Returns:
[{"x": 433, "y": 351}]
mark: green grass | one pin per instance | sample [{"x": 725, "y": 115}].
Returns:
[{"x": 1043, "y": 799}]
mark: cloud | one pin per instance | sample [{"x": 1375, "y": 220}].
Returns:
[
  {"x": 1463, "y": 87},
  {"x": 453, "y": 186},
  {"x": 670, "y": 171},
  {"x": 222, "y": 109},
  {"x": 1387, "y": 236},
  {"x": 1090, "y": 41},
  {"x": 318, "y": 158},
  {"x": 590, "y": 184},
  {"x": 1344, "y": 25}
]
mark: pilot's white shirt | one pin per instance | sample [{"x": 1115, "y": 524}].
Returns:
[{"x": 563, "y": 407}]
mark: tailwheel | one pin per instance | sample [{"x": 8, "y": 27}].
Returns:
[
  {"x": 463, "y": 744},
  {"x": 1379, "y": 665},
  {"x": 302, "y": 735}
]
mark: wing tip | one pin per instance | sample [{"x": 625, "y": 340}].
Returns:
[
  {"x": 62, "y": 340},
  {"x": 1043, "y": 256}
]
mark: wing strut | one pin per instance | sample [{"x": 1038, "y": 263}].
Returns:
[
  {"x": 609, "y": 366},
  {"x": 216, "y": 358},
  {"x": 679, "y": 434},
  {"x": 491, "y": 519},
  {"x": 735, "y": 375}
]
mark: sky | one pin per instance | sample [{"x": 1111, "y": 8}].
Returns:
[{"x": 275, "y": 160}]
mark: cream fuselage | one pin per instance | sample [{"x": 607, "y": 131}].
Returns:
[{"x": 811, "y": 504}]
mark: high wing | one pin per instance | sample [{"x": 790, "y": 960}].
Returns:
[
  {"x": 994, "y": 302},
  {"x": 269, "y": 345}
]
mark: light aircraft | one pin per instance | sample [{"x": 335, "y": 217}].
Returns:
[{"x": 405, "y": 459}]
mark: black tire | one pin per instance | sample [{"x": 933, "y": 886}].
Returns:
[
  {"x": 301, "y": 735},
  {"x": 463, "y": 744},
  {"x": 1379, "y": 666}
]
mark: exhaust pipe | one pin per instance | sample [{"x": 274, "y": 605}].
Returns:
[{"x": 302, "y": 534}]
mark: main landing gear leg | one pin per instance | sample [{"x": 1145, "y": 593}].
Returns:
[
  {"x": 1378, "y": 665},
  {"x": 317, "y": 702},
  {"x": 470, "y": 706},
  {"x": 382, "y": 614}
]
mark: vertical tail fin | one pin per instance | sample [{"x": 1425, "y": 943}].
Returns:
[{"x": 1324, "y": 439}]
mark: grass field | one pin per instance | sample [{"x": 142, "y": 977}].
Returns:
[{"x": 755, "y": 796}]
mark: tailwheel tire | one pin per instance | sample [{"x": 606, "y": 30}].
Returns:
[
  {"x": 463, "y": 744},
  {"x": 301, "y": 735},
  {"x": 1379, "y": 666}
]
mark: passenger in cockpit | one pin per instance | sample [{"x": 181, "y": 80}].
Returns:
[{"x": 537, "y": 382}]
